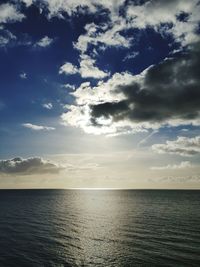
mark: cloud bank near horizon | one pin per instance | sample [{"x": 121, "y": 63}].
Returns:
[{"x": 29, "y": 166}]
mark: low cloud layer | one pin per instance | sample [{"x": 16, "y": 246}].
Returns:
[
  {"x": 164, "y": 94},
  {"x": 20, "y": 166},
  {"x": 182, "y": 165},
  {"x": 182, "y": 146}
]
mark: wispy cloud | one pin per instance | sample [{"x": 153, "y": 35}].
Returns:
[
  {"x": 48, "y": 105},
  {"x": 131, "y": 56},
  {"x": 183, "y": 146},
  {"x": 182, "y": 165},
  {"x": 7, "y": 37},
  {"x": 44, "y": 42},
  {"x": 23, "y": 75},
  {"x": 145, "y": 140},
  {"x": 69, "y": 86},
  {"x": 35, "y": 127}
]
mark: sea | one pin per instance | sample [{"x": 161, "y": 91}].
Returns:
[{"x": 118, "y": 228}]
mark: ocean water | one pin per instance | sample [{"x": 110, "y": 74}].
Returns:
[{"x": 119, "y": 228}]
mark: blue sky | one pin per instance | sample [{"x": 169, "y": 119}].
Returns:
[{"x": 86, "y": 81}]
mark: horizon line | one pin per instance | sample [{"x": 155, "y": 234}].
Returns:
[{"x": 103, "y": 189}]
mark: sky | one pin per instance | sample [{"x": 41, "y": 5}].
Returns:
[{"x": 100, "y": 94}]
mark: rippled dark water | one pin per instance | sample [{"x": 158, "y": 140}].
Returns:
[{"x": 99, "y": 228}]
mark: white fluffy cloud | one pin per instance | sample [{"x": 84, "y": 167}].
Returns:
[
  {"x": 37, "y": 127},
  {"x": 182, "y": 165},
  {"x": 183, "y": 146},
  {"x": 9, "y": 13},
  {"x": 159, "y": 14},
  {"x": 27, "y": 2},
  {"x": 57, "y": 7},
  {"x": 104, "y": 34},
  {"x": 68, "y": 69},
  {"x": 108, "y": 35},
  {"x": 44, "y": 42},
  {"x": 162, "y": 16},
  {"x": 87, "y": 69}
]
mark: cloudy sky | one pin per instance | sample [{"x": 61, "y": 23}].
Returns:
[{"x": 99, "y": 94}]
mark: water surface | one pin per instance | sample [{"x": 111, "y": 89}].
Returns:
[{"x": 99, "y": 228}]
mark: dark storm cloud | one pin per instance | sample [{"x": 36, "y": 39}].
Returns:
[
  {"x": 19, "y": 166},
  {"x": 114, "y": 109},
  {"x": 169, "y": 90}
]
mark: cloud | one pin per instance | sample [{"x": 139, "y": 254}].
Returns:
[
  {"x": 146, "y": 139},
  {"x": 166, "y": 94},
  {"x": 71, "y": 7},
  {"x": 131, "y": 56},
  {"x": 37, "y": 127},
  {"x": 164, "y": 17},
  {"x": 3, "y": 41},
  {"x": 23, "y": 75},
  {"x": 107, "y": 34},
  {"x": 6, "y": 37},
  {"x": 182, "y": 165},
  {"x": 79, "y": 114},
  {"x": 27, "y": 2},
  {"x": 69, "y": 86},
  {"x": 20, "y": 166},
  {"x": 87, "y": 69},
  {"x": 183, "y": 146},
  {"x": 44, "y": 42},
  {"x": 47, "y": 105},
  {"x": 68, "y": 69},
  {"x": 182, "y": 179},
  {"x": 9, "y": 13}
]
